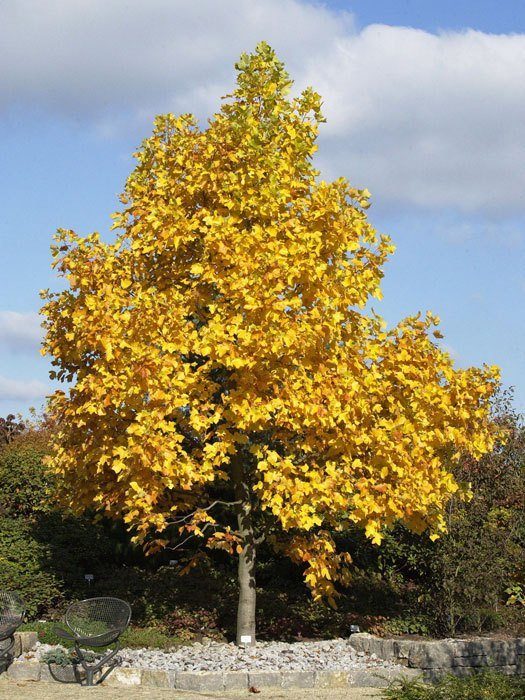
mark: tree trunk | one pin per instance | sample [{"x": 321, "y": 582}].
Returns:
[{"x": 246, "y": 569}]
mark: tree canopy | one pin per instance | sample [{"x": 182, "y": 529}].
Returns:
[{"x": 221, "y": 344}]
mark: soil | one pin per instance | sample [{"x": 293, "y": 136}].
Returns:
[{"x": 30, "y": 690}]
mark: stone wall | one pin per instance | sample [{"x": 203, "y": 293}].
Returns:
[
  {"x": 32, "y": 670},
  {"x": 460, "y": 657}
]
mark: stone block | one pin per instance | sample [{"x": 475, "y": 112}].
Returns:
[
  {"x": 199, "y": 681},
  {"x": 385, "y": 649},
  {"x": 331, "y": 679},
  {"x": 520, "y": 664},
  {"x": 361, "y": 641},
  {"x": 472, "y": 661},
  {"x": 380, "y": 678},
  {"x": 124, "y": 676},
  {"x": 45, "y": 674},
  {"x": 158, "y": 679},
  {"x": 235, "y": 680},
  {"x": 403, "y": 661},
  {"x": 502, "y": 652},
  {"x": 24, "y": 671},
  {"x": 264, "y": 679},
  {"x": 62, "y": 674},
  {"x": 497, "y": 651},
  {"x": 27, "y": 640},
  {"x": 298, "y": 679},
  {"x": 430, "y": 655},
  {"x": 24, "y": 641},
  {"x": 402, "y": 650},
  {"x": 365, "y": 679}
]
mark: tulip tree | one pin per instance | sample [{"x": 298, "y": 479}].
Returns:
[{"x": 219, "y": 359}]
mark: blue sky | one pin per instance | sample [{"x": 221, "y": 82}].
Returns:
[{"x": 425, "y": 106}]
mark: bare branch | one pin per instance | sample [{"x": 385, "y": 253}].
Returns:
[{"x": 184, "y": 518}]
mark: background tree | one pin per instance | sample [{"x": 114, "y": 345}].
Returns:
[
  {"x": 219, "y": 356},
  {"x": 485, "y": 534},
  {"x": 10, "y": 427}
]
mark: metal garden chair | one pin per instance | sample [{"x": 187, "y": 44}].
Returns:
[
  {"x": 12, "y": 611},
  {"x": 96, "y": 622}
]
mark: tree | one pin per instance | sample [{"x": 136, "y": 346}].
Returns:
[
  {"x": 485, "y": 534},
  {"x": 219, "y": 355},
  {"x": 10, "y": 427}
]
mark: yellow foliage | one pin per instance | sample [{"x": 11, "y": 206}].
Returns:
[{"x": 226, "y": 319}]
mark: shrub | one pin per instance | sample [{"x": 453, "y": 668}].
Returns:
[
  {"x": 22, "y": 570},
  {"x": 26, "y": 485},
  {"x": 188, "y": 624},
  {"x": 73, "y": 547},
  {"x": 487, "y": 685},
  {"x": 45, "y": 560}
]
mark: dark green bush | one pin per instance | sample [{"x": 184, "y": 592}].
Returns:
[
  {"x": 22, "y": 570},
  {"x": 188, "y": 624},
  {"x": 46, "y": 559},
  {"x": 26, "y": 485}
]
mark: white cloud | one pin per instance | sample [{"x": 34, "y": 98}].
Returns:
[
  {"x": 93, "y": 57},
  {"x": 20, "y": 332},
  {"x": 428, "y": 120},
  {"x": 17, "y": 390},
  {"x": 422, "y": 120}
]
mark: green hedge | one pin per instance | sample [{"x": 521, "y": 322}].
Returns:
[
  {"x": 46, "y": 559},
  {"x": 26, "y": 485}
]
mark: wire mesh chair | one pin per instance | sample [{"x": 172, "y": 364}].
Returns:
[
  {"x": 12, "y": 611},
  {"x": 96, "y": 622}
]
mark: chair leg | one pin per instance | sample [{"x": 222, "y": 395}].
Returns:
[
  {"x": 90, "y": 672},
  {"x": 91, "y": 669},
  {"x": 4, "y": 653}
]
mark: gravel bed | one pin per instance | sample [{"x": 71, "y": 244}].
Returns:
[{"x": 332, "y": 655}]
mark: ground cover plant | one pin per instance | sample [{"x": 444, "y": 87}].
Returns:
[{"x": 132, "y": 638}]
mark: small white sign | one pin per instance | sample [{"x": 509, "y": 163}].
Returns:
[{"x": 246, "y": 638}]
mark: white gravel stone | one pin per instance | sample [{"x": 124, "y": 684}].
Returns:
[{"x": 331, "y": 655}]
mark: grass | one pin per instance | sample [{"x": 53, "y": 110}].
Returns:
[{"x": 132, "y": 638}]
